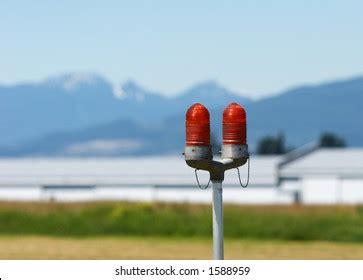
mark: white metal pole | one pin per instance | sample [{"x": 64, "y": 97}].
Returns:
[{"x": 218, "y": 250}]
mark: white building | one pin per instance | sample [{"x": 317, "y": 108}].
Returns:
[
  {"x": 325, "y": 176},
  {"x": 134, "y": 179},
  {"x": 321, "y": 176}
]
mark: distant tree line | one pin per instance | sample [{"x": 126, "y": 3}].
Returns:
[
  {"x": 276, "y": 145},
  {"x": 330, "y": 140}
]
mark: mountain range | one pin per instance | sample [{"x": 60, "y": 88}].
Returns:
[{"x": 80, "y": 115}]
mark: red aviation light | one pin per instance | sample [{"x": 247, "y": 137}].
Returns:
[
  {"x": 197, "y": 125},
  {"x": 234, "y": 125}
]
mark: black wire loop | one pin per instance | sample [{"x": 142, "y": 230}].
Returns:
[
  {"x": 248, "y": 175},
  {"x": 196, "y": 176}
]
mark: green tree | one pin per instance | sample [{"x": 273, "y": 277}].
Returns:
[
  {"x": 331, "y": 140},
  {"x": 271, "y": 145}
]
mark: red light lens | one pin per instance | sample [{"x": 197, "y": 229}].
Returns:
[
  {"x": 234, "y": 125},
  {"x": 197, "y": 126}
]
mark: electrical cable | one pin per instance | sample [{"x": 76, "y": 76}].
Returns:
[
  {"x": 248, "y": 175},
  {"x": 196, "y": 176}
]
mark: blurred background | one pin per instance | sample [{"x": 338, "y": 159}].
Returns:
[{"x": 92, "y": 105}]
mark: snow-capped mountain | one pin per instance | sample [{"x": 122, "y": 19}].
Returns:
[{"x": 81, "y": 112}]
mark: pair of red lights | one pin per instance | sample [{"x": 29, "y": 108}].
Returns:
[{"x": 198, "y": 125}]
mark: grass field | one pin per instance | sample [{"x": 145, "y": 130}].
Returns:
[
  {"x": 115, "y": 230},
  {"x": 36, "y": 247},
  {"x": 293, "y": 223}
]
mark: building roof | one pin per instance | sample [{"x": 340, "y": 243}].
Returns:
[
  {"x": 172, "y": 171},
  {"x": 164, "y": 171},
  {"x": 339, "y": 162}
]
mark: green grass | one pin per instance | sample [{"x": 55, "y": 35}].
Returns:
[{"x": 296, "y": 223}]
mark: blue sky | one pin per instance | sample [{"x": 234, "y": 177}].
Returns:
[{"x": 252, "y": 47}]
